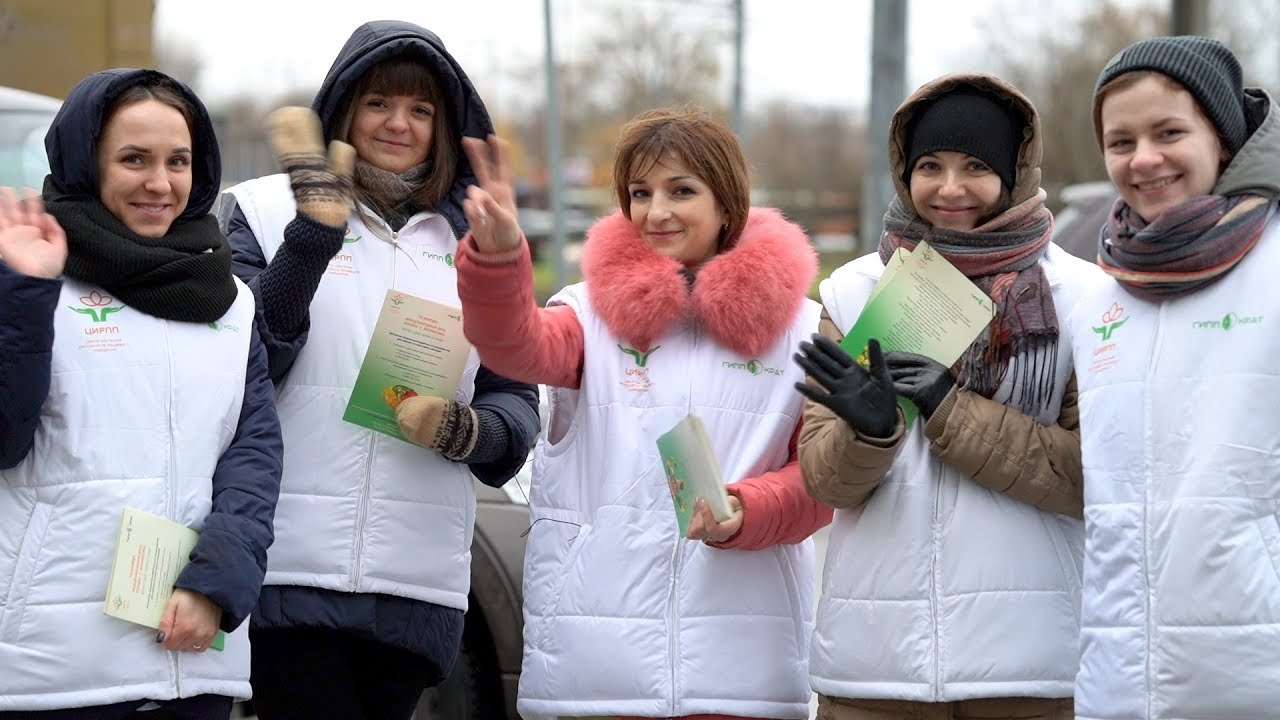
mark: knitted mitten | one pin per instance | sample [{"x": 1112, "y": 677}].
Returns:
[
  {"x": 321, "y": 189},
  {"x": 447, "y": 426}
]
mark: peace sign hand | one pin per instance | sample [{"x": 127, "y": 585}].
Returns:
[
  {"x": 31, "y": 241},
  {"x": 491, "y": 206}
]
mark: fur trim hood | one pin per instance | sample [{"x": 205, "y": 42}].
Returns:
[
  {"x": 744, "y": 297},
  {"x": 1027, "y": 173}
]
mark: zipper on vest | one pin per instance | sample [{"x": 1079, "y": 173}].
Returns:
[
  {"x": 673, "y": 616},
  {"x": 673, "y": 600},
  {"x": 358, "y": 568},
  {"x": 936, "y": 532},
  {"x": 170, "y": 491},
  {"x": 1146, "y": 505}
]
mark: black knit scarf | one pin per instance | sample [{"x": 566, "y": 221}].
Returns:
[{"x": 185, "y": 275}]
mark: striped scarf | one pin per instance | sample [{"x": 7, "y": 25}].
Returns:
[
  {"x": 1186, "y": 248},
  {"x": 1002, "y": 257}
]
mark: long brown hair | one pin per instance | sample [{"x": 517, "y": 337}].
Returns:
[
  {"x": 699, "y": 141},
  {"x": 404, "y": 76}
]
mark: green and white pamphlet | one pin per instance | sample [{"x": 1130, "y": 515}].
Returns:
[
  {"x": 417, "y": 349},
  {"x": 922, "y": 305},
  {"x": 150, "y": 553},
  {"x": 692, "y": 472}
]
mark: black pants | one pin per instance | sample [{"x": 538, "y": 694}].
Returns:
[
  {"x": 200, "y": 707},
  {"x": 307, "y": 673}
]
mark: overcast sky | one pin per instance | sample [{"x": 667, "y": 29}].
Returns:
[{"x": 813, "y": 51}]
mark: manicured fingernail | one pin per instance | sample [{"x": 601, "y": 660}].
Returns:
[{"x": 160, "y": 636}]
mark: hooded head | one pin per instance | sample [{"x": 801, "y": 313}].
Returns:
[
  {"x": 373, "y": 58},
  {"x": 974, "y": 114},
  {"x": 74, "y": 140}
]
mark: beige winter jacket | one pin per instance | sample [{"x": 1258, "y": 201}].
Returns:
[
  {"x": 999, "y": 447},
  {"x": 996, "y": 445}
]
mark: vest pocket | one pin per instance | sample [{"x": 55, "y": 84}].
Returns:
[
  {"x": 1062, "y": 547},
  {"x": 576, "y": 543},
  {"x": 1269, "y": 526},
  {"x": 24, "y": 571}
]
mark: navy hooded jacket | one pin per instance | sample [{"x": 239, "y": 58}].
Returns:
[
  {"x": 229, "y": 561},
  {"x": 426, "y": 629}
]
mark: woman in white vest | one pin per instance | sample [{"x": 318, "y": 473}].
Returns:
[
  {"x": 691, "y": 303},
  {"x": 952, "y": 579},
  {"x": 368, "y": 579},
  {"x": 1179, "y": 366},
  {"x": 130, "y": 376}
]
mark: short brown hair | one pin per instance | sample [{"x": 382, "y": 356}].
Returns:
[
  {"x": 409, "y": 76},
  {"x": 698, "y": 140}
]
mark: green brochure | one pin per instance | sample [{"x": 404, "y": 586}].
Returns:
[
  {"x": 150, "y": 553},
  {"x": 922, "y": 305},
  {"x": 417, "y": 349},
  {"x": 692, "y": 472}
]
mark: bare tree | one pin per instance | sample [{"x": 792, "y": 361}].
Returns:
[
  {"x": 641, "y": 57},
  {"x": 1057, "y": 67}
]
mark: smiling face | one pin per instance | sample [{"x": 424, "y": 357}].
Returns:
[
  {"x": 955, "y": 191},
  {"x": 675, "y": 212},
  {"x": 393, "y": 132},
  {"x": 144, "y": 166},
  {"x": 1159, "y": 148}
]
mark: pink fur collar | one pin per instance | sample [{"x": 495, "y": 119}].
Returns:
[{"x": 745, "y": 297}]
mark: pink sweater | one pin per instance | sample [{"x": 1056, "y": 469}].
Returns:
[{"x": 517, "y": 339}]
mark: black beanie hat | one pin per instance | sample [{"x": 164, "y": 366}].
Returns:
[
  {"x": 1205, "y": 67},
  {"x": 972, "y": 122}
]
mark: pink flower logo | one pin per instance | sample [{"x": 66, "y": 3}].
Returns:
[
  {"x": 1111, "y": 320},
  {"x": 96, "y": 299},
  {"x": 96, "y": 306},
  {"x": 1113, "y": 314}
]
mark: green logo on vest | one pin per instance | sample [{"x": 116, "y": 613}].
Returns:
[
  {"x": 753, "y": 366},
  {"x": 1112, "y": 319},
  {"x": 640, "y": 358},
  {"x": 97, "y": 306},
  {"x": 446, "y": 258},
  {"x": 1228, "y": 322}
]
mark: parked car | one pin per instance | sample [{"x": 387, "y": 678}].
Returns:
[
  {"x": 483, "y": 683},
  {"x": 1076, "y": 226},
  {"x": 24, "y": 119}
]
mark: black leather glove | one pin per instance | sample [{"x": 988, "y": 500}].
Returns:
[
  {"x": 865, "y": 400},
  {"x": 922, "y": 380}
]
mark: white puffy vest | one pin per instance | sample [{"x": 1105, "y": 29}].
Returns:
[
  {"x": 621, "y": 616},
  {"x": 139, "y": 412},
  {"x": 359, "y": 511},
  {"x": 1180, "y": 412},
  {"x": 938, "y": 588}
]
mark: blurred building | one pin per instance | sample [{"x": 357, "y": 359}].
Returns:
[{"x": 47, "y": 46}]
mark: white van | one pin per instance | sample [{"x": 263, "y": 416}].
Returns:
[{"x": 24, "y": 120}]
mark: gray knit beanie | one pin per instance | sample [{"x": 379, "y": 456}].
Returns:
[{"x": 1205, "y": 67}]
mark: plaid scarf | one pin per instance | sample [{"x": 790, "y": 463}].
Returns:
[
  {"x": 1187, "y": 247},
  {"x": 1002, "y": 257}
]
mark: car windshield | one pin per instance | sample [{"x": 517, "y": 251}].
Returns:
[{"x": 23, "y": 162}]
